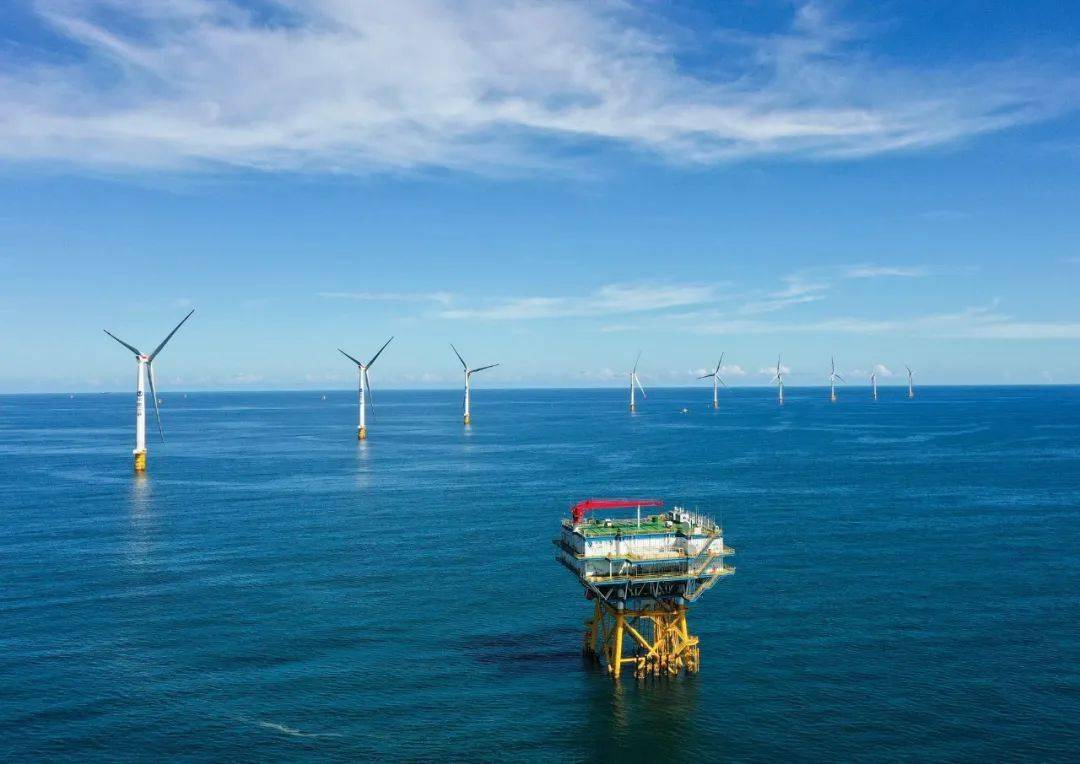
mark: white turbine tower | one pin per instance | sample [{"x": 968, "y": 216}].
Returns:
[
  {"x": 873, "y": 382},
  {"x": 365, "y": 389},
  {"x": 910, "y": 383},
  {"x": 779, "y": 379},
  {"x": 833, "y": 377},
  {"x": 715, "y": 380},
  {"x": 468, "y": 374},
  {"x": 635, "y": 381},
  {"x": 146, "y": 373}
]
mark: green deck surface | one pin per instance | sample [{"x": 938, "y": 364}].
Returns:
[{"x": 630, "y": 527}]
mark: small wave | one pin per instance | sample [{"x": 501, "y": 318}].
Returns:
[{"x": 286, "y": 730}]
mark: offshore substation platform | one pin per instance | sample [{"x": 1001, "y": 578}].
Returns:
[{"x": 642, "y": 573}]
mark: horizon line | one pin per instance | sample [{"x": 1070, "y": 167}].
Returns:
[{"x": 823, "y": 386}]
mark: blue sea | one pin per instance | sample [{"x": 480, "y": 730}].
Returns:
[{"x": 907, "y": 585}]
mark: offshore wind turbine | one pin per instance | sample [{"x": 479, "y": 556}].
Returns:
[
  {"x": 365, "y": 389},
  {"x": 715, "y": 379},
  {"x": 910, "y": 384},
  {"x": 833, "y": 376},
  {"x": 779, "y": 379},
  {"x": 468, "y": 375},
  {"x": 146, "y": 373},
  {"x": 873, "y": 382},
  {"x": 635, "y": 381}
]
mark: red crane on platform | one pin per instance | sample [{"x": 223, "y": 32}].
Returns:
[{"x": 579, "y": 509}]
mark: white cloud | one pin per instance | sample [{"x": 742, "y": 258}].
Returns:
[
  {"x": 612, "y": 299},
  {"x": 812, "y": 285},
  {"x": 444, "y": 298},
  {"x": 879, "y": 271},
  {"x": 245, "y": 378},
  {"x": 799, "y": 290},
  {"x": 979, "y": 322},
  {"x": 732, "y": 370},
  {"x": 350, "y": 86},
  {"x": 1006, "y": 329},
  {"x": 771, "y": 370},
  {"x": 882, "y": 370}
]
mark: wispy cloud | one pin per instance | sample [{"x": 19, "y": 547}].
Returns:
[
  {"x": 443, "y": 298},
  {"x": 977, "y": 322},
  {"x": 347, "y": 87},
  {"x": 612, "y": 299},
  {"x": 884, "y": 271},
  {"x": 812, "y": 285},
  {"x": 799, "y": 289}
]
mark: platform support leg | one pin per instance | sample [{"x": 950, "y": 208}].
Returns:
[
  {"x": 594, "y": 629},
  {"x": 615, "y": 651},
  {"x": 659, "y": 635}
]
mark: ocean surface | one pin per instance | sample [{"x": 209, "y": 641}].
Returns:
[{"x": 907, "y": 585}]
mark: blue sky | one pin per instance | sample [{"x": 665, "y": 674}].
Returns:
[{"x": 552, "y": 186}]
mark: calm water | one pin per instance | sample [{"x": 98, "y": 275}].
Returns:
[{"x": 908, "y": 581}]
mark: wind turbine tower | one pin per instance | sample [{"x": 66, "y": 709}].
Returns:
[
  {"x": 716, "y": 382},
  {"x": 833, "y": 377},
  {"x": 779, "y": 380},
  {"x": 635, "y": 381},
  {"x": 145, "y": 373},
  {"x": 873, "y": 382},
  {"x": 468, "y": 375},
  {"x": 365, "y": 389},
  {"x": 910, "y": 383}
]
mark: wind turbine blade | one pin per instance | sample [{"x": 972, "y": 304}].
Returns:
[
  {"x": 841, "y": 379},
  {"x": 636, "y": 361},
  {"x": 463, "y": 364},
  {"x": 153, "y": 394},
  {"x": 489, "y": 366},
  {"x": 350, "y": 358},
  {"x": 369, "y": 396},
  {"x": 369, "y": 363},
  {"x": 174, "y": 331},
  {"x": 720, "y": 363},
  {"x": 132, "y": 348},
  {"x": 642, "y": 389},
  {"x": 722, "y": 382},
  {"x": 707, "y": 376}
]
